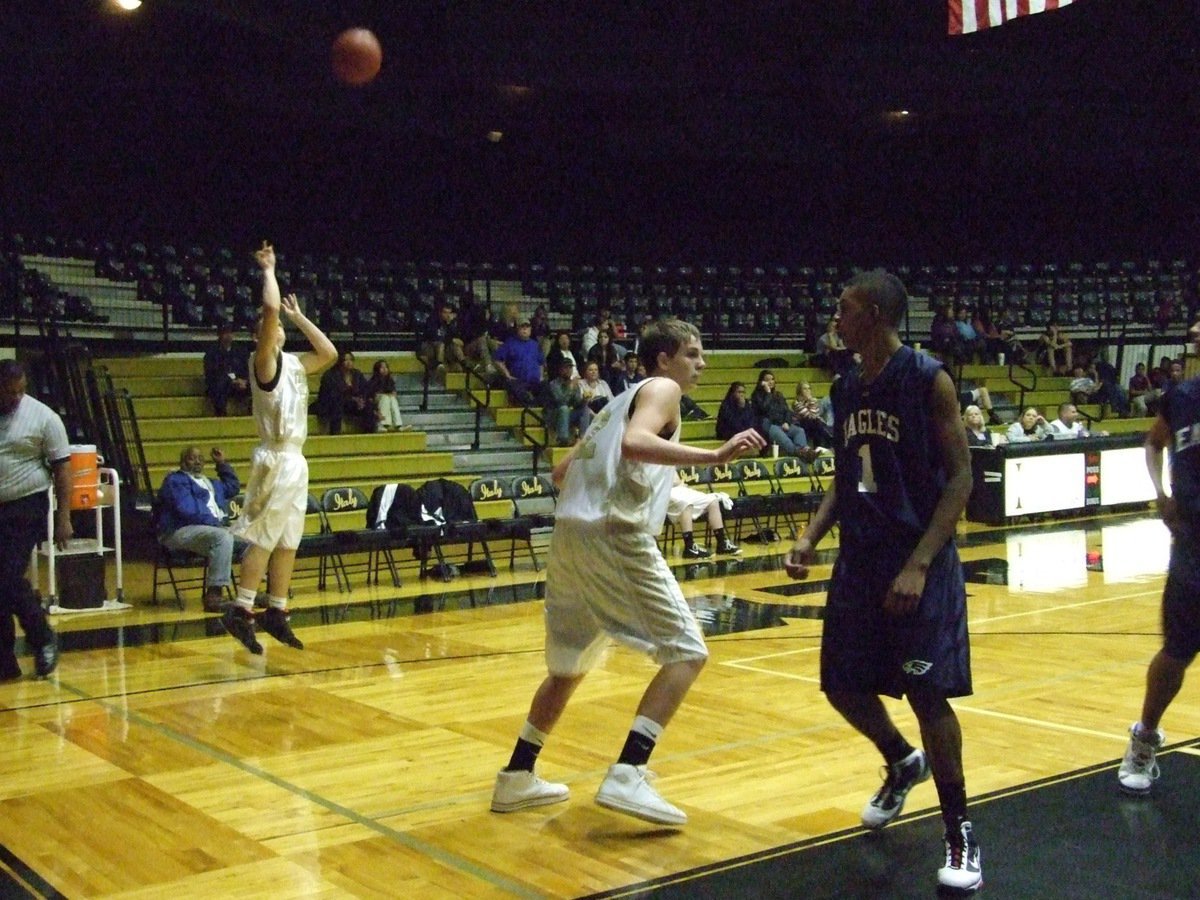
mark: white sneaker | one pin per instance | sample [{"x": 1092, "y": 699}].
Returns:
[
  {"x": 626, "y": 790},
  {"x": 520, "y": 789},
  {"x": 963, "y": 871},
  {"x": 1139, "y": 768},
  {"x": 898, "y": 779}
]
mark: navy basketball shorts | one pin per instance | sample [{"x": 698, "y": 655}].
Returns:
[
  {"x": 1181, "y": 600},
  {"x": 867, "y": 650}
]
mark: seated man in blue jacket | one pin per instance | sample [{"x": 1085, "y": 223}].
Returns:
[{"x": 193, "y": 510}]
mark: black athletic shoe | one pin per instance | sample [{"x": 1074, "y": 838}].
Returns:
[
  {"x": 45, "y": 658},
  {"x": 275, "y": 623},
  {"x": 240, "y": 625},
  {"x": 696, "y": 552},
  {"x": 728, "y": 548},
  {"x": 10, "y": 670}
]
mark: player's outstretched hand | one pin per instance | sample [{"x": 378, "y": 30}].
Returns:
[
  {"x": 290, "y": 305},
  {"x": 743, "y": 443}
]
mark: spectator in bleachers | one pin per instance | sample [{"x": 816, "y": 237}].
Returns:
[
  {"x": 591, "y": 334},
  {"x": 999, "y": 340},
  {"x": 539, "y": 328},
  {"x": 1097, "y": 384},
  {"x": 736, "y": 414},
  {"x": 381, "y": 393},
  {"x": 564, "y": 407},
  {"x": 1030, "y": 426},
  {"x": 1083, "y": 386},
  {"x": 192, "y": 513},
  {"x": 473, "y": 324},
  {"x": 977, "y": 433},
  {"x": 1054, "y": 350},
  {"x": 226, "y": 370},
  {"x": 944, "y": 339},
  {"x": 970, "y": 392},
  {"x": 1175, "y": 374},
  {"x": 506, "y": 326},
  {"x": 1160, "y": 375},
  {"x": 1067, "y": 425},
  {"x": 560, "y": 351},
  {"x": 441, "y": 346},
  {"x": 595, "y": 392},
  {"x": 1143, "y": 396},
  {"x": 630, "y": 375},
  {"x": 343, "y": 392},
  {"x": 604, "y": 355},
  {"x": 774, "y": 421},
  {"x": 832, "y": 353},
  {"x": 520, "y": 362},
  {"x": 973, "y": 347},
  {"x": 808, "y": 414}
]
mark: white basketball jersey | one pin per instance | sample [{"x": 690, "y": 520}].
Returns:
[
  {"x": 600, "y": 485},
  {"x": 281, "y": 415}
]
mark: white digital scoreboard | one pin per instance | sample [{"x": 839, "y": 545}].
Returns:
[{"x": 1076, "y": 474}]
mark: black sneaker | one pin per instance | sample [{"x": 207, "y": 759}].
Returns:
[
  {"x": 728, "y": 548},
  {"x": 240, "y": 625},
  {"x": 214, "y": 600},
  {"x": 45, "y": 658},
  {"x": 963, "y": 871},
  {"x": 898, "y": 779},
  {"x": 10, "y": 670},
  {"x": 696, "y": 552},
  {"x": 275, "y": 623}
]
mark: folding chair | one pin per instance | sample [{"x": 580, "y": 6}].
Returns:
[
  {"x": 459, "y": 524},
  {"x": 535, "y": 496},
  {"x": 334, "y": 502},
  {"x": 505, "y": 523},
  {"x": 724, "y": 477}
]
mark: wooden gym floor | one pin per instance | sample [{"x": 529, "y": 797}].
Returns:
[{"x": 161, "y": 759}]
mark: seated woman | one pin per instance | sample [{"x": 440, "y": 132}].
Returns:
[
  {"x": 944, "y": 339},
  {"x": 832, "y": 353},
  {"x": 977, "y": 433},
  {"x": 595, "y": 393},
  {"x": 381, "y": 392},
  {"x": 808, "y": 414},
  {"x": 736, "y": 414},
  {"x": 1031, "y": 426},
  {"x": 343, "y": 393},
  {"x": 685, "y": 504},
  {"x": 774, "y": 417}
]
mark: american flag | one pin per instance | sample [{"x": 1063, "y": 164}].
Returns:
[{"x": 967, "y": 16}]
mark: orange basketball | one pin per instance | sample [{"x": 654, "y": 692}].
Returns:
[{"x": 357, "y": 56}]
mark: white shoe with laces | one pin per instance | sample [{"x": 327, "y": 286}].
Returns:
[
  {"x": 520, "y": 789},
  {"x": 626, "y": 790},
  {"x": 1139, "y": 768}
]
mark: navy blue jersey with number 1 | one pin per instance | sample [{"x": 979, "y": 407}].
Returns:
[{"x": 889, "y": 468}]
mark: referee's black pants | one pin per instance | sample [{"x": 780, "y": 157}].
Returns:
[{"x": 22, "y": 527}]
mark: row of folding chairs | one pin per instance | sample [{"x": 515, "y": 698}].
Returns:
[{"x": 767, "y": 494}]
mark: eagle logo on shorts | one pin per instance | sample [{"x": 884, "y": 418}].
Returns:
[{"x": 916, "y": 667}]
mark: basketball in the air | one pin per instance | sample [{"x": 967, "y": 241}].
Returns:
[{"x": 357, "y": 56}]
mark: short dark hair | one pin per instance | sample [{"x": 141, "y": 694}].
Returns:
[{"x": 885, "y": 290}]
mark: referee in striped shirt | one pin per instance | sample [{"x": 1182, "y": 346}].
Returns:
[{"x": 34, "y": 453}]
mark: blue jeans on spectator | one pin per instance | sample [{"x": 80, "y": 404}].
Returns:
[{"x": 789, "y": 441}]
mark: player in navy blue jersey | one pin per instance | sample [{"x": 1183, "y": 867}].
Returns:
[
  {"x": 895, "y": 618},
  {"x": 1176, "y": 429}
]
